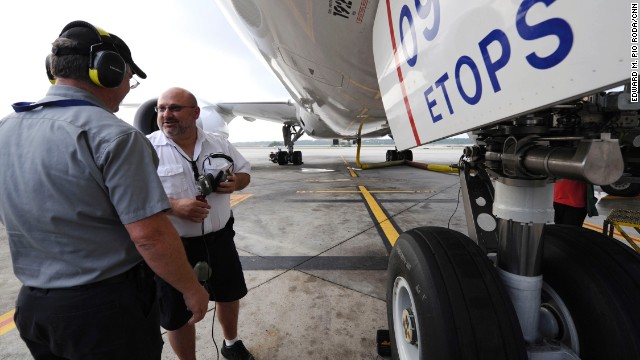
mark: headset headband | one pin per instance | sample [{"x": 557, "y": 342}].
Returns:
[{"x": 102, "y": 40}]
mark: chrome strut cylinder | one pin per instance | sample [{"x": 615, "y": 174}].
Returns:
[{"x": 522, "y": 208}]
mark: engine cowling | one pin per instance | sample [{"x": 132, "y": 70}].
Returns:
[{"x": 146, "y": 118}]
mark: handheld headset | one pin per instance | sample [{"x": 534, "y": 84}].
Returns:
[
  {"x": 106, "y": 67},
  {"x": 208, "y": 183}
]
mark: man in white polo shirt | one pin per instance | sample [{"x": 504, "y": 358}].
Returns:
[{"x": 199, "y": 171}]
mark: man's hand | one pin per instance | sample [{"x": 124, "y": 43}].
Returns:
[
  {"x": 235, "y": 182},
  {"x": 227, "y": 187},
  {"x": 190, "y": 209},
  {"x": 159, "y": 244},
  {"x": 198, "y": 303}
]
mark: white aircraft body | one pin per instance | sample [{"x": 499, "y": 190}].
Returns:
[
  {"x": 527, "y": 78},
  {"x": 325, "y": 62}
]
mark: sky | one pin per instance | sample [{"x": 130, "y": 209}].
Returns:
[{"x": 186, "y": 43}]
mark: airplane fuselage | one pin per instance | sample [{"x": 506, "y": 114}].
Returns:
[{"x": 322, "y": 53}]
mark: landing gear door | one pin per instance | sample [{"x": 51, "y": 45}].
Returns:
[{"x": 446, "y": 67}]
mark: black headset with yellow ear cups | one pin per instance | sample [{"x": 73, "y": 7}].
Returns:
[
  {"x": 47, "y": 64},
  {"x": 106, "y": 67}
]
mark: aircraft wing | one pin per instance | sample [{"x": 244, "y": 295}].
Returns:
[{"x": 283, "y": 112}]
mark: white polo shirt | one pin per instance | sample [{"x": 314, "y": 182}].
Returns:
[{"x": 178, "y": 180}]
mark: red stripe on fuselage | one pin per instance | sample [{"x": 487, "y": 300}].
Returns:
[{"x": 399, "y": 71}]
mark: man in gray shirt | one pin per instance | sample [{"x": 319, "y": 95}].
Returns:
[{"x": 84, "y": 211}]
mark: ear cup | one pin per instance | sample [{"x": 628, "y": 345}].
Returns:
[
  {"x": 203, "y": 271},
  {"x": 47, "y": 64},
  {"x": 107, "y": 69},
  {"x": 207, "y": 183},
  {"x": 218, "y": 179}
]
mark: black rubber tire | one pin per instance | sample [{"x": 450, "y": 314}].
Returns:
[
  {"x": 407, "y": 155},
  {"x": 296, "y": 159},
  {"x": 462, "y": 309},
  {"x": 282, "y": 157},
  {"x": 389, "y": 155},
  {"x": 622, "y": 189},
  {"x": 146, "y": 118},
  {"x": 392, "y": 155},
  {"x": 598, "y": 279}
]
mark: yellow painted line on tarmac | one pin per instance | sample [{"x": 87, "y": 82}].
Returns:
[
  {"x": 351, "y": 171},
  {"x": 6, "y": 322},
  {"x": 357, "y": 191},
  {"x": 344, "y": 161},
  {"x": 238, "y": 198},
  {"x": 388, "y": 227},
  {"x": 346, "y": 180},
  {"x": 619, "y": 197},
  {"x": 328, "y": 180},
  {"x": 389, "y": 230}
]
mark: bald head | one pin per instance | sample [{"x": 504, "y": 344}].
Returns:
[{"x": 179, "y": 93}]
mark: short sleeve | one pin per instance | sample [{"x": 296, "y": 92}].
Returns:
[{"x": 129, "y": 168}]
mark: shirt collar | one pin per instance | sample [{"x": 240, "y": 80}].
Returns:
[
  {"x": 72, "y": 92},
  {"x": 160, "y": 139}
]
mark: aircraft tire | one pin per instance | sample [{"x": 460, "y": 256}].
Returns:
[
  {"x": 297, "y": 158},
  {"x": 282, "y": 157},
  {"x": 461, "y": 310},
  {"x": 598, "y": 280},
  {"x": 622, "y": 189}
]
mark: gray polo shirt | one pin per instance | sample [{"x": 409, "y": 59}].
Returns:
[{"x": 70, "y": 178}]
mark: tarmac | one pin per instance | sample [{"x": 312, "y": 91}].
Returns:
[{"x": 314, "y": 241}]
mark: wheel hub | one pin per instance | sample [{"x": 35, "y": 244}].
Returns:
[{"x": 409, "y": 326}]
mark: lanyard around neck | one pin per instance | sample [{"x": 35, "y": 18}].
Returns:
[
  {"x": 28, "y": 106},
  {"x": 193, "y": 163}
]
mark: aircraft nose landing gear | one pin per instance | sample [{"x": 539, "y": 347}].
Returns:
[{"x": 284, "y": 157}]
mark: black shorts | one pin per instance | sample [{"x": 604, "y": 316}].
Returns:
[
  {"x": 225, "y": 285},
  {"x": 115, "y": 318},
  {"x": 569, "y": 215}
]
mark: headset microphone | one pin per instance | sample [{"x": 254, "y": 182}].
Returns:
[{"x": 203, "y": 271}]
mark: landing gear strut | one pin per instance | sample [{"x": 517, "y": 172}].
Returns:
[{"x": 290, "y": 134}]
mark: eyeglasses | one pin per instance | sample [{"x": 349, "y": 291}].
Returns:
[
  {"x": 171, "y": 108},
  {"x": 133, "y": 83}
]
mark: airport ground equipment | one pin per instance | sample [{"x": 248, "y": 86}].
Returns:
[
  {"x": 618, "y": 218},
  {"x": 549, "y": 91}
]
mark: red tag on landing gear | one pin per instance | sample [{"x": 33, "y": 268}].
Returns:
[{"x": 201, "y": 198}]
